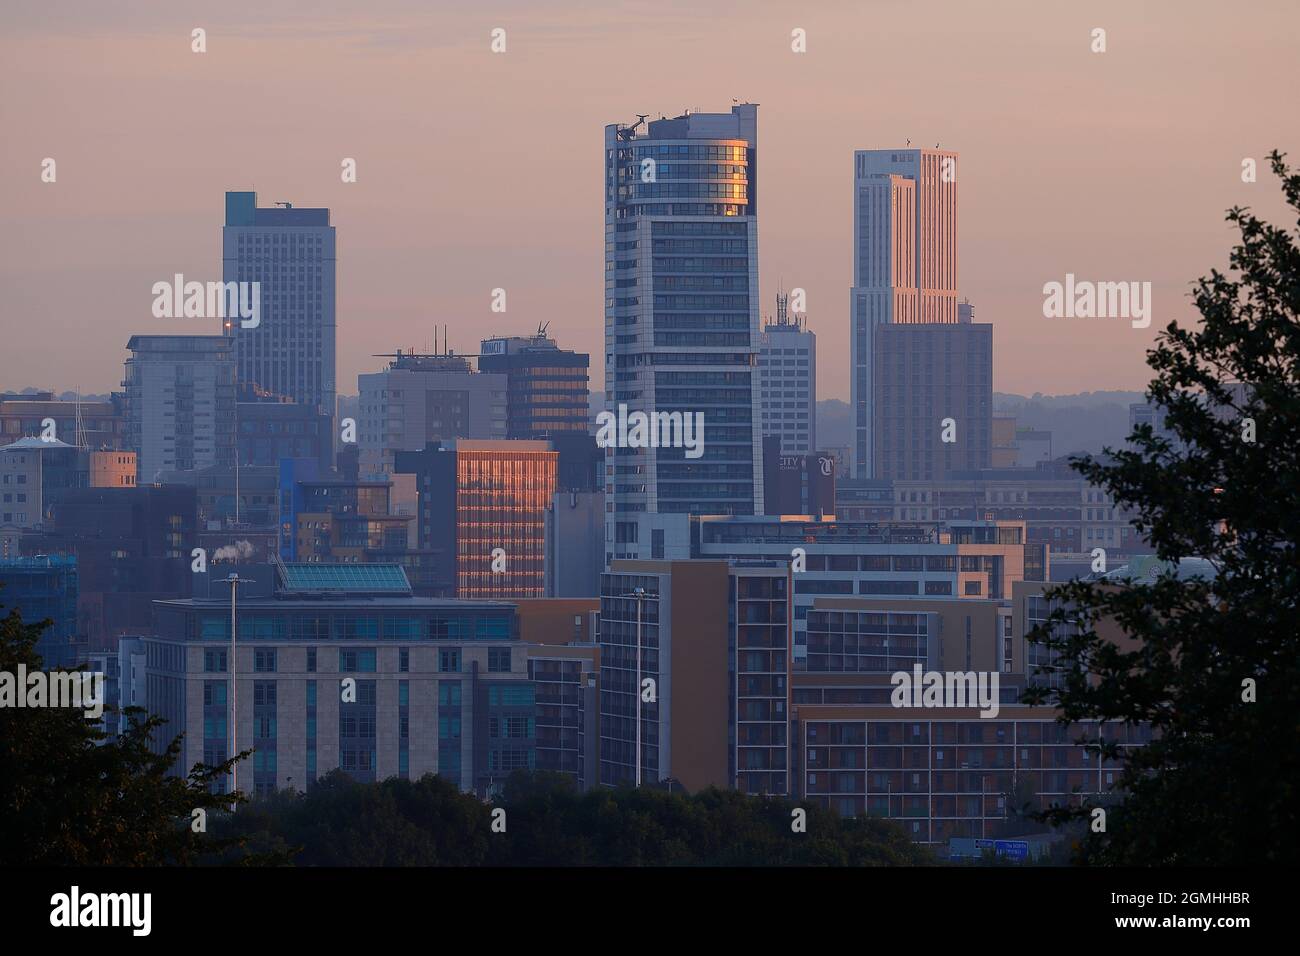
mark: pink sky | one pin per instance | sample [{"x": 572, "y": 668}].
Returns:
[{"x": 478, "y": 171}]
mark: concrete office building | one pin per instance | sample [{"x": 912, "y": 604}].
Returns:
[
  {"x": 34, "y": 473},
  {"x": 945, "y": 773},
  {"x": 681, "y": 313},
  {"x": 1061, "y": 511},
  {"x": 345, "y": 522},
  {"x": 31, "y": 470},
  {"x": 420, "y": 399},
  {"x": 475, "y": 497},
  {"x": 564, "y": 666},
  {"x": 932, "y": 404},
  {"x": 714, "y": 641},
  {"x": 575, "y": 550},
  {"x": 787, "y": 376},
  {"x": 546, "y": 386},
  {"x": 132, "y": 546},
  {"x": 112, "y": 469},
  {"x": 267, "y": 431},
  {"x": 290, "y": 252},
  {"x": 441, "y": 686},
  {"x": 904, "y": 262},
  {"x": 955, "y": 559},
  {"x": 123, "y": 668},
  {"x": 241, "y": 498},
  {"x": 180, "y": 400},
  {"x": 864, "y": 499},
  {"x": 796, "y": 484}
]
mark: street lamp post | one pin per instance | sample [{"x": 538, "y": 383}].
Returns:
[
  {"x": 232, "y": 734},
  {"x": 640, "y": 597}
]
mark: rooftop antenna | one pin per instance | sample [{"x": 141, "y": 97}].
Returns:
[
  {"x": 79, "y": 434},
  {"x": 629, "y": 132}
]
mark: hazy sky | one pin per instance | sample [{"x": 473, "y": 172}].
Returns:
[{"x": 479, "y": 170}]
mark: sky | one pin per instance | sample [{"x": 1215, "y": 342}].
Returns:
[{"x": 479, "y": 170}]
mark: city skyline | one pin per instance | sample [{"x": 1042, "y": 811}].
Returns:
[{"x": 1040, "y": 183}]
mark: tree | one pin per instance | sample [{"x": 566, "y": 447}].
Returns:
[
  {"x": 72, "y": 795},
  {"x": 1220, "y": 781},
  {"x": 548, "y": 822}
]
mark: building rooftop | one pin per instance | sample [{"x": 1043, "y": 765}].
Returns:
[
  {"x": 368, "y": 579},
  {"x": 31, "y": 443},
  {"x": 339, "y": 601}
]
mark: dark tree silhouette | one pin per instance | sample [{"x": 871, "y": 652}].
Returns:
[
  {"x": 1211, "y": 663},
  {"x": 72, "y": 795}
]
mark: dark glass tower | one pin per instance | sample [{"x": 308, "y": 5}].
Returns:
[{"x": 681, "y": 312}]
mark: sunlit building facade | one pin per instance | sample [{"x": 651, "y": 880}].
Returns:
[
  {"x": 904, "y": 262},
  {"x": 681, "y": 313}
]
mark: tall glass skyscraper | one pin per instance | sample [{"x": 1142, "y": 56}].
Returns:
[
  {"x": 291, "y": 253},
  {"x": 681, "y": 313},
  {"x": 904, "y": 262}
]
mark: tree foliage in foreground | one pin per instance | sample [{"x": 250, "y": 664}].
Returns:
[
  {"x": 548, "y": 822},
  {"x": 72, "y": 795},
  {"x": 1221, "y": 782}
]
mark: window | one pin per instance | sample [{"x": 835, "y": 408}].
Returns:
[
  {"x": 499, "y": 659},
  {"x": 264, "y": 661},
  {"x": 311, "y": 659},
  {"x": 404, "y": 659},
  {"x": 449, "y": 661},
  {"x": 360, "y": 661}
]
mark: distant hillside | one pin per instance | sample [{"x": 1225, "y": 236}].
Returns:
[
  {"x": 1079, "y": 423},
  {"x": 61, "y": 396}
]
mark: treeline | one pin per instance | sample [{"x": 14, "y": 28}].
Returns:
[{"x": 541, "y": 819}]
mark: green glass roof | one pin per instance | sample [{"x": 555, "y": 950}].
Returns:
[{"x": 363, "y": 578}]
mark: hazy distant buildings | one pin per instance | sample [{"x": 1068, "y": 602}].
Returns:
[
  {"x": 180, "y": 397},
  {"x": 546, "y": 386},
  {"x": 290, "y": 253},
  {"x": 904, "y": 261},
  {"x": 89, "y": 425},
  {"x": 787, "y": 375},
  {"x": 681, "y": 312},
  {"x": 932, "y": 406},
  {"x": 419, "y": 399}
]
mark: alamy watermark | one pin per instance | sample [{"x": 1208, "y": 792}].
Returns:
[
  {"x": 922, "y": 688},
  {"x": 651, "y": 430},
  {"x": 83, "y": 690},
  {"x": 1084, "y": 299},
  {"x": 75, "y": 908},
  {"x": 212, "y": 300}
]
